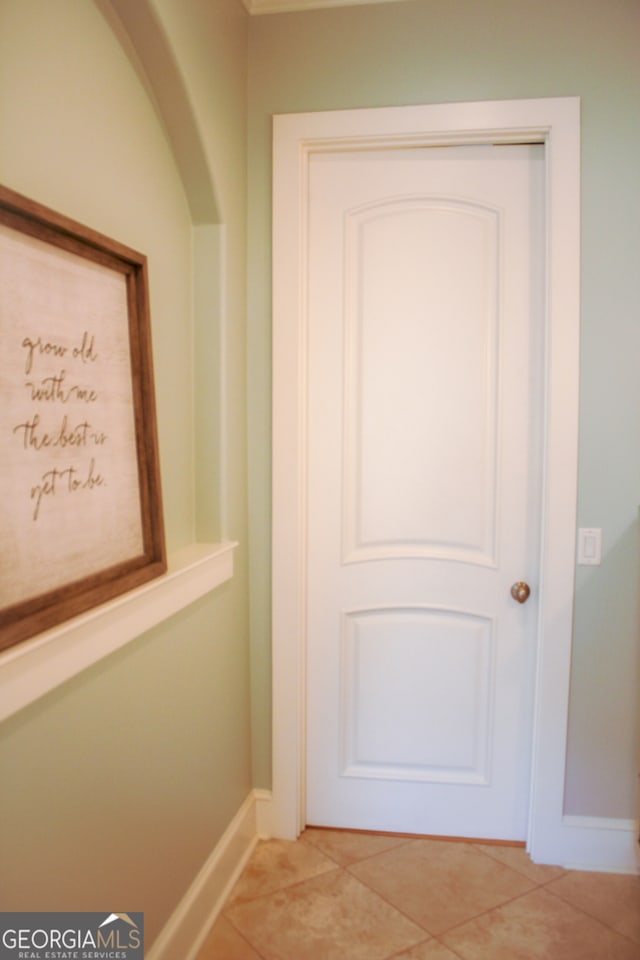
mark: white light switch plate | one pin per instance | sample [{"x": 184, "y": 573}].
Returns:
[{"x": 589, "y": 546}]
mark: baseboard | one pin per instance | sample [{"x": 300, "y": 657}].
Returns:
[
  {"x": 588, "y": 843},
  {"x": 183, "y": 934},
  {"x": 579, "y": 843},
  {"x": 601, "y": 844},
  {"x": 264, "y": 808}
]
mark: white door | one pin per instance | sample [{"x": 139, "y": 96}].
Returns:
[{"x": 424, "y": 305}]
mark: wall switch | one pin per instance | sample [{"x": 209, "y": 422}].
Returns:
[{"x": 589, "y": 546}]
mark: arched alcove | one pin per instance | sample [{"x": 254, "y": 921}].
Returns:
[{"x": 147, "y": 45}]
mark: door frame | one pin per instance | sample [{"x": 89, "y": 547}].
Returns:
[{"x": 554, "y": 122}]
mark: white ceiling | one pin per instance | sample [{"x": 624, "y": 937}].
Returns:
[{"x": 284, "y": 6}]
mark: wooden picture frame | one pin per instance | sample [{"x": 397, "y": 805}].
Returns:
[{"x": 80, "y": 496}]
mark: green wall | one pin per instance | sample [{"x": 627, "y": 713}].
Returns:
[
  {"x": 425, "y": 51},
  {"x": 116, "y": 787}
]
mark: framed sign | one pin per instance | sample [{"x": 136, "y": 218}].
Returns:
[{"x": 80, "y": 499}]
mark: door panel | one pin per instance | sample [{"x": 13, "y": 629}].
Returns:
[
  {"x": 422, "y": 487},
  {"x": 398, "y": 663},
  {"x": 407, "y": 310}
]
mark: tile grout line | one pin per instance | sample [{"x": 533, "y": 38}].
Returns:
[
  {"x": 405, "y": 841},
  {"x": 484, "y": 913},
  {"x": 430, "y": 939},
  {"x": 567, "y": 903},
  {"x": 522, "y": 873},
  {"x": 391, "y": 905},
  {"x": 398, "y": 953},
  {"x": 410, "y": 840},
  {"x": 591, "y": 916},
  {"x": 345, "y": 869},
  {"x": 244, "y": 938},
  {"x": 462, "y": 922},
  {"x": 288, "y": 886}
]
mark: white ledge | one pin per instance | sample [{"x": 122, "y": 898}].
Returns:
[
  {"x": 34, "y": 667},
  {"x": 294, "y": 6}
]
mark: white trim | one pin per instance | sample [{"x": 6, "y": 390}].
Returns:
[
  {"x": 33, "y": 668},
  {"x": 292, "y": 6},
  {"x": 264, "y": 813},
  {"x": 188, "y": 926},
  {"x": 556, "y": 123},
  {"x": 600, "y": 843}
]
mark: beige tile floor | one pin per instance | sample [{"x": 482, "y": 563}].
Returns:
[{"x": 337, "y": 895}]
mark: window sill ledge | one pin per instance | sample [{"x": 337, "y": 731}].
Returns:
[{"x": 31, "y": 669}]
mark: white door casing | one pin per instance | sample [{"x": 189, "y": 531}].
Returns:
[
  {"x": 425, "y": 274},
  {"x": 555, "y": 124}
]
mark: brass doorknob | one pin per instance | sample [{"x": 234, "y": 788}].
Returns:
[{"x": 520, "y": 591}]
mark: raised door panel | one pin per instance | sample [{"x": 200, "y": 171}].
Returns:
[
  {"x": 416, "y": 695},
  {"x": 421, "y": 322}
]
